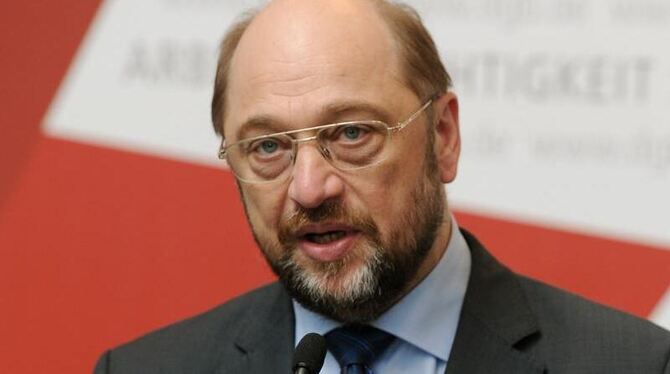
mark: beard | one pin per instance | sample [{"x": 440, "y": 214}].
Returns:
[{"x": 376, "y": 271}]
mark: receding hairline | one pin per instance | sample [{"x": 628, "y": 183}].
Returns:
[{"x": 397, "y": 19}]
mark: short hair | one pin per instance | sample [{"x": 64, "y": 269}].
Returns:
[{"x": 422, "y": 68}]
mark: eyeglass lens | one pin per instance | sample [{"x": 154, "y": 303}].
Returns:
[{"x": 347, "y": 146}]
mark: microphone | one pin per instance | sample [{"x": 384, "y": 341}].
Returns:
[{"x": 309, "y": 354}]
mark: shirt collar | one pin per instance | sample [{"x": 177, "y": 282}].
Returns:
[{"x": 427, "y": 317}]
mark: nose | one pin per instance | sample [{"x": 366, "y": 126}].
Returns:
[{"x": 314, "y": 179}]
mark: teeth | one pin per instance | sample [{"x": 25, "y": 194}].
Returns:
[{"x": 326, "y": 237}]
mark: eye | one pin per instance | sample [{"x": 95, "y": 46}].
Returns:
[
  {"x": 264, "y": 147},
  {"x": 268, "y": 146},
  {"x": 352, "y": 132}
]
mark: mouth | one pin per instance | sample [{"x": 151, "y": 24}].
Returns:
[
  {"x": 324, "y": 238},
  {"x": 325, "y": 243}
]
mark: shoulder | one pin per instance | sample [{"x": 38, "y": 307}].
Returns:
[
  {"x": 196, "y": 344},
  {"x": 221, "y": 321},
  {"x": 554, "y": 306},
  {"x": 593, "y": 334},
  {"x": 557, "y": 329}
]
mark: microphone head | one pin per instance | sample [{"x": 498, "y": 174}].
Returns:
[{"x": 310, "y": 353}]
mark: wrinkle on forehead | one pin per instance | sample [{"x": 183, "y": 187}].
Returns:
[{"x": 291, "y": 80}]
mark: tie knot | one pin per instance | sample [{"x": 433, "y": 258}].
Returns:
[{"x": 356, "y": 347}]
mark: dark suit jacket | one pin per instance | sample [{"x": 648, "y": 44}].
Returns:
[{"x": 509, "y": 324}]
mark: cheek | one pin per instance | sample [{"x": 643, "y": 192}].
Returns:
[
  {"x": 385, "y": 194},
  {"x": 264, "y": 208},
  {"x": 397, "y": 184}
]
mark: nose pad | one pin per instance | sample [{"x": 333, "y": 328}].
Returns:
[{"x": 325, "y": 152}]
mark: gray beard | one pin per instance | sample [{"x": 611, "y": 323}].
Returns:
[{"x": 389, "y": 266}]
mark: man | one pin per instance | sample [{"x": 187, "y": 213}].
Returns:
[{"x": 341, "y": 130}]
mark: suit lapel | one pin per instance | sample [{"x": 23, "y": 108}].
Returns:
[
  {"x": 266, "y": 336},
  {"x": 496, "y": 322}
]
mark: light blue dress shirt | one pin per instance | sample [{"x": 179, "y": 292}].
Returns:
[{"x": 424, "y": 321}]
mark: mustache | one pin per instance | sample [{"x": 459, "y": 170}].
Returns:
[{"x": 330, "y": 211}]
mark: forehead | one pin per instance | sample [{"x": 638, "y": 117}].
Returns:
[{"x": 299, "y": 57}]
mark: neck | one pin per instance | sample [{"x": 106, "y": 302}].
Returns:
[{"x": 435, "y": 254}]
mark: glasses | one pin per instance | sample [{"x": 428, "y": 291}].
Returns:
[{"x": 347, "y": 146}]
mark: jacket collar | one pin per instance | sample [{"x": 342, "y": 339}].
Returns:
[
  {"x": 496, "y": 320},
  {"x": 265, "y": 335}
]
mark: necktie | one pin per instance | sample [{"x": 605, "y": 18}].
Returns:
[{"x": 356, "y": 347}]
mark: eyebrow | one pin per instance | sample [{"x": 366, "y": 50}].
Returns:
[
  {"x": 330, "y": 113},
  {"x": 259, "y": 123}
]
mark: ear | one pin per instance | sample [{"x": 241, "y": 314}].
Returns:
[{"x": 447, "y": 136}]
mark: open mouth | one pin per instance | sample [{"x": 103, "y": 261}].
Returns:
[
  {"x": 326, "y": 242},
  {"x": 325, "y": 237}
]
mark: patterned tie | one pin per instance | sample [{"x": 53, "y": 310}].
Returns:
[{"x": 355, "y": 347}]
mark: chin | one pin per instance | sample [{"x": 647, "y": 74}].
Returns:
[
  {"x": 344, "y": 281},
  {"x": 349, "y": 290}
]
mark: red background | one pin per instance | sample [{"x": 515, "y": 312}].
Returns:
[{"x": 98, "y": 246}]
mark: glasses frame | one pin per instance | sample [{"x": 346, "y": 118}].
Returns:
[{"x": 325, "y": 152}]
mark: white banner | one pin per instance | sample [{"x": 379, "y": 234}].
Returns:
[{"x": 565, "y": 104}]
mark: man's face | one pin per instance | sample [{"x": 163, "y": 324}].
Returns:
[{"x": 346, "y": 244}]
